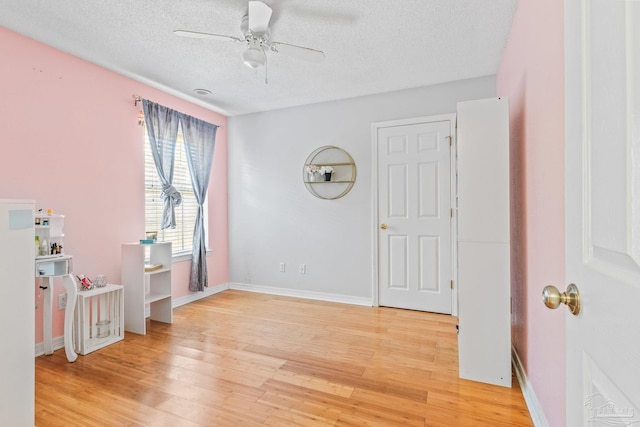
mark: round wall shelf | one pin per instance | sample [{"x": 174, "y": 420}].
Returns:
[{"x": 340, "y": 176}]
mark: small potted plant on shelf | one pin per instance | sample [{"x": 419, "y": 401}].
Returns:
[
  {"x": 312, "y": 171},
  {"x": 326, "y": 171}
]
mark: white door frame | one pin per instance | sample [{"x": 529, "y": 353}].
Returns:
[{"x": 453, "y": 191}]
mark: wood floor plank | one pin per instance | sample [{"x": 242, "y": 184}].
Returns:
[{"x": 247, "y": 359}]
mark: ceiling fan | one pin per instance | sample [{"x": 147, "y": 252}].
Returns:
[{"x": 257, "y": 37}]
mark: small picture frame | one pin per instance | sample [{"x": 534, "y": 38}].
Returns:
[{"x": 152, "y": 235}]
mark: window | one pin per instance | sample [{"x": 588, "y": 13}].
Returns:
[{"x": 181, "y": 237}]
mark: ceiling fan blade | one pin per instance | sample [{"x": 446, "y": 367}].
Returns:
[
  {"x": 197, "y": 35},
  {"x": 299, "y": 52},
  {"x": 259, "y": 16}
]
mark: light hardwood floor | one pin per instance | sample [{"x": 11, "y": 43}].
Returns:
[{"x": 247, "y": 359}]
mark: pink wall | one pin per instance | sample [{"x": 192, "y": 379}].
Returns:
[
  {"x": 531, "y": 74},
  {"x": 71, "y": 141}
]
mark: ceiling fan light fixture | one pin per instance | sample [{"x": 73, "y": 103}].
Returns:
[
  {"x": 256, "y": 36},
  {"x": 254, "y": 57}
]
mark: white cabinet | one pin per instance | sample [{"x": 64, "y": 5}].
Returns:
[
  {"x": 17, "y": 319},
  {"x": 484, "y": 340},
  {"x": 146, "y": 288}
]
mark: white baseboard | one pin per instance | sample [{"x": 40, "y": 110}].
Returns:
[
  {"x": 535, "y": 410},
  {"x": 195, "y": 296},
  {"x": 57, "y": 342},
  {"x": 286, "y": 292}
]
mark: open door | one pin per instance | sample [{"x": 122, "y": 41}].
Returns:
[{"x": 602, "y": 84}]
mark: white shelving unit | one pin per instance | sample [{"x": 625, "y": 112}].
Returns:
[
  {"x": 142, "y": 289},
  {"x": 484, "y": 291},
  {"x": 49, "y": 228},
  {"x": 97, "y": 305}
]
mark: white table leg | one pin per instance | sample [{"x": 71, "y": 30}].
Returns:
[
  {"x": 72, "y": 295},
  {"x": 47, "y": 309}
]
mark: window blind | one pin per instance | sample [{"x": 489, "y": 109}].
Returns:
[{"x": 181, "y": 237}]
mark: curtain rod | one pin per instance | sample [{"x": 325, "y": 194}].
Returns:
[{"x": 137, "y": 98}]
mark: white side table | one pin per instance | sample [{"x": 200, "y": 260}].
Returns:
[{"x": 99, "y": 319}]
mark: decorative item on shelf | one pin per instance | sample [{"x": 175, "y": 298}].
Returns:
[
  {"x": 100, "y": 281},
  {"x": 152, "y": 236},
  {"x": 44, "y": 248},
  {"x": 312, "y": 172},
  {"x": 326, "y": 171},
  {"x": 152, "y": 267},
  {"x": 103, "y": 328},
  {"x": 85, "y": 283}
]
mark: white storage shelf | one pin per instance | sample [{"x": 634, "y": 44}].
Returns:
[
  {"x": 484, "y": 339},
  {"x": 49, "y": 228},
  {"x": 104, "y": 304},
  {"x": 142, "y": 289}
]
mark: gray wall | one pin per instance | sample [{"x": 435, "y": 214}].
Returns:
[{"x": 274, "y": 219}]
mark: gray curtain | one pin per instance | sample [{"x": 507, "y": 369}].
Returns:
[
  {"x": 199, "y": 141},
  {"x": 162, "y": 128}
]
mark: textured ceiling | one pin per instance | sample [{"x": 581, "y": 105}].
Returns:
[{"x": 371, "y": 46}]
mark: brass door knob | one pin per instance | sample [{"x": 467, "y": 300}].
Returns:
[
  {"x": 552, "y": 298},
  {"x": 383, "y": 226}
]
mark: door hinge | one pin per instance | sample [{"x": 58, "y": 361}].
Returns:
[
  {"x": 451, "y": 283},
  {"x": 450, "y": 141},
  {"x": 451, "y": 212}
]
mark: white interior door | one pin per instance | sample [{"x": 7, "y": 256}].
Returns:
[
  {"x": 414, "y": 215},
  {"x": 602, "y": 66}
]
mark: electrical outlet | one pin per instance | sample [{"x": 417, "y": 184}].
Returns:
[
  {"x": 62, "y": 301},
  {"x": 282, "y": 267},
  {"x": 302, "y": 268}
]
